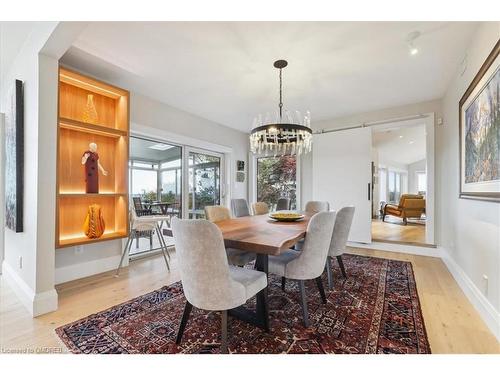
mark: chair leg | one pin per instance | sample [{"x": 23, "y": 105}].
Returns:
[
  {"x": 182, "y": 326},
  {"x": 329, "y": 272},
  {"x": 405, "y": 221},
  {"x": 319, "y": 283},
  {"x": 341, "y": 264},
  {"x": 223, "y": 344},
  {"x": 283, "y": 283},
  {"x": 162, "y": 240},
  {"x": 126, "y": 251},
  {"x": 150, "y": 240},
  {"x": 303, "y": 301},
  {"x": 163, "y": 249}
]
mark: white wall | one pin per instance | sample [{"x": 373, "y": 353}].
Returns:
[
  {"x": 80, "y": 261},
  {"x": 32, "y": 281},
  {"x": 433, "y": 106},
  {"x": 413, "y": 168},
  {"x": 467, "y": 229}
]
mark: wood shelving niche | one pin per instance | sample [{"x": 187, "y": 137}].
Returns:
[{"x": 110, "y": 131}]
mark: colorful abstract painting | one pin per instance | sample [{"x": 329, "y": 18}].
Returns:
[{"x": 14, "y": 159}]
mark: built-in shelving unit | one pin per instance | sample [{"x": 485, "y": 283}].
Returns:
[{"x": 111, "y": 134}]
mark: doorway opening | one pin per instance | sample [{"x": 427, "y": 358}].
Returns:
[{"x": 400, "y": 182}]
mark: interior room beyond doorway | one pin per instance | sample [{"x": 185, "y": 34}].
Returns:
[{"x": 400, "y": 184}]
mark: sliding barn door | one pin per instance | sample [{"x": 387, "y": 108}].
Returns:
[{"x": 342, "y": 175}]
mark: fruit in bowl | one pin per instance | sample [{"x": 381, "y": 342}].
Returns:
[{"x": 286, "y": 215}]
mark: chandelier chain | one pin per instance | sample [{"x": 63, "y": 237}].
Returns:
[{"x": 281, "y": 95}]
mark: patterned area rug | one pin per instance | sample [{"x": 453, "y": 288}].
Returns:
[{"x": 375, "y": 310}]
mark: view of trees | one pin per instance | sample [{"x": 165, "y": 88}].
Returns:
[{"x": 276, "y": 178}]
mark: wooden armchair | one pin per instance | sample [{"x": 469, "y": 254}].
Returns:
[{"x": 410, "y": 206}]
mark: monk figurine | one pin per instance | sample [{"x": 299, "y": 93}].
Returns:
[{"x": 90, "y": 159}]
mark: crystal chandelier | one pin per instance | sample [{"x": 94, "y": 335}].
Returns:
[{"x": 281, "y": 132}]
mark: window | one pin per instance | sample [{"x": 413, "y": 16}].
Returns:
[
  {"x": 421, "y": 182},
  {"x": 394, "y": 184},
  {"x": 277, "y": 178}
]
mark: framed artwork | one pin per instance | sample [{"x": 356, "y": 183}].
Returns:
[
  {"x": 240, "y": 165},
  {"x": 14, "y": 158},
  {"x": 240, "y": 176},
  {"x": 479, "y": 114}
]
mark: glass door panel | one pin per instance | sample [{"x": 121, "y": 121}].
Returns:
[
  {"x": 204, "y": 182},
  {"x": 156, "y": 185},
  {"x": 277, "y": 178}
]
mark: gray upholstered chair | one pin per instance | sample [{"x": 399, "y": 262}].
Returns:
[
  {"x": 309, "y": 263},
  {"x": 283, "y": 204},
  {"x": 240, "y": 207},
  {"x": 236, "y": 257},
  {"x": 339, "y": 240},
  {"x": 260, "y": 208},
  {"x": 209, "y": 283},
  {"x": 317, "y": 206}
]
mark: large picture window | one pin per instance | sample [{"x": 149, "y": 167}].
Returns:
[{"x": 277, "y": 178}]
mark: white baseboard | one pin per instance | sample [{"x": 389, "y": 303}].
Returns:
[
  {"x": 36, "y": 303},
  {"x": 94, "y": 267},
  {"x": 400, "y": 248},
  {"x": 488, "y": 313}
]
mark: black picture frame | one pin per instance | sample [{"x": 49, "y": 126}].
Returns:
[{"x": 14, "y": 159}]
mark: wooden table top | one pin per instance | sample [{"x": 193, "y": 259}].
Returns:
[{"x": 260, "y": 234}]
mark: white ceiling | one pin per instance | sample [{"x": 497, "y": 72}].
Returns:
[
  {"x": 12, "y": 37},
  {"x": 223, "y": 71},
  {"x": 400, "y": 145}
]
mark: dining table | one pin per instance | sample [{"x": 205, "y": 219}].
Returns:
[{"x": 265, "y": 237}]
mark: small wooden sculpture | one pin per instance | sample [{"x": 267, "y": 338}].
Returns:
[
  {"x": 90, "y": 159},
  {"x": 94, "y": 225}
]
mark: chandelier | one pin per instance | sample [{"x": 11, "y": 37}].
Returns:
[{"x": 281, "y": 132}]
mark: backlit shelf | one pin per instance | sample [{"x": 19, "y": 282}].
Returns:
[
  {"x": 106, "y": 131},
  {"x": 65, "y": 241}
]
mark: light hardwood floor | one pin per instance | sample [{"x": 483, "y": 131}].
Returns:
[
  {"x": 393, "y": 230},
  {"x": 453, "y": 326}
]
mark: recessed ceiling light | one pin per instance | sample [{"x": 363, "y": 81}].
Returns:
[
  {"x": 410, "y": 39},
  {"x": 160, "y": 147},
  {"x": 400, "y": 136},
  {"x": 411, "y": 142}
]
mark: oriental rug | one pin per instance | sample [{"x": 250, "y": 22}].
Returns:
[{"x": 375, "y": 309}]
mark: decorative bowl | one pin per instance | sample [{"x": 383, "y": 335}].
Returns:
[{"x": 286, "y": 216}]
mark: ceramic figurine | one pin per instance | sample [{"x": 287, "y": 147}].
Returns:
[{"x": 90, "y": 159}]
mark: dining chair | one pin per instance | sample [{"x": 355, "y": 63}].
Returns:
[
  {"x": 209, "y": 283},
  {"x": 140, "y": 224},
  {"x": 309, "y": 263},
  {"x": 235, "y": 257},
  {"x": 283, "y": 204},
  {"x": 240, "y": 207},
  {"x": 260, "y": 208},
  {"x": 317, "y": 206},
  {"x": 338, "y": 242},
  {"x": 139, "y": 207}
]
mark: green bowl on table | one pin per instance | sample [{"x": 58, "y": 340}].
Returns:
[{"x": 286, "y": 216}]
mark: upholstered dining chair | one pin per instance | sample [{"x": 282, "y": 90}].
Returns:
[
  {"x": 236, "y": 257},
  {"x": 283, "y": 204},
  {"x": 309, "y": 263},
  {"x": 240, "y": 207},
  {"x": 260, "y": 208},
  {"x": 338, "y": 243},
  {"x": 317, "y": 206},
  {"x": 209, "y": 283}
]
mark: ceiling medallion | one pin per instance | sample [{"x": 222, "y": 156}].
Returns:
[{"x": 281, "y": 132}]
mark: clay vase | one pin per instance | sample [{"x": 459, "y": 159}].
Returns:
[{"x": 94, "y": 225}]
